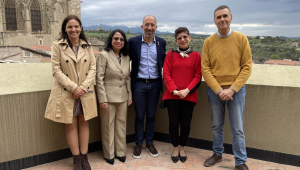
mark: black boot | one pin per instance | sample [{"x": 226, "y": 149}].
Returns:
[
  {"x": 85, "y": 163},
  {"x": 77, "y": 162}
]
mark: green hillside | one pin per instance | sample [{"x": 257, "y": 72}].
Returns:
[{"x": 262, "y": 49}]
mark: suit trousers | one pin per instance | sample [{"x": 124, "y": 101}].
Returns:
[
  {"x": 180, "y": 113},
  {"x": 113, "y": 129},
  {"x": 145, "y": 99}
]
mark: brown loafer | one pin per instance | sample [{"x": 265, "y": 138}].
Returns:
[{"x": 212, "y": 160}]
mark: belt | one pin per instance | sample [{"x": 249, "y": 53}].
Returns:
[{"x": 148, "y": 80}]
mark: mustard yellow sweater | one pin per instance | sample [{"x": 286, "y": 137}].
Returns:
[{"x": 226, "y": 62}]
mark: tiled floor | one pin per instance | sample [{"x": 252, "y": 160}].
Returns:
[{"x": 195, "y": 160}]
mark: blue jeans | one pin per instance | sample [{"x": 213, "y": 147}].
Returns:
[
  {"x": 145, "y": 98},
  {"x": 236, "y": 116}
]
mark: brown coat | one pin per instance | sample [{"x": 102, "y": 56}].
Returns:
[
  {"x": 113, "y": 78},
  {"x": 65, "y": 68}
]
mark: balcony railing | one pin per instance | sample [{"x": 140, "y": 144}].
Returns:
[{"x": 271, "y": 117}]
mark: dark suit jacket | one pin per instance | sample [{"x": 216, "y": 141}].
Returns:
[{"x": 135, "y": 44}]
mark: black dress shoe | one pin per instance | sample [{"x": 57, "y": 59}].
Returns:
[
  {"x": 174, "y": 158},
  {"x": 122, "y": 158},
  {"x": 182, "y": 158},
  {"x": 110, "y": 161}
]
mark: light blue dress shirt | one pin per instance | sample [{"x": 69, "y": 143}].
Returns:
[{"x": 148, "y": 68}]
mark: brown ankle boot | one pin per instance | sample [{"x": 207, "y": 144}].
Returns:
[
  {"x": 85, "y": 162},
  {"x": 77, "y": 162}
]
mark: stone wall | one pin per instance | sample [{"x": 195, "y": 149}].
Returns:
[{"x": 52, "y": 14}]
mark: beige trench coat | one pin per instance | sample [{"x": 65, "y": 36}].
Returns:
[{"x": 69, "y": 73}]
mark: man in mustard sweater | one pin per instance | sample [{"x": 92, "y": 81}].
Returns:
[{"x": 226, "y": 66}]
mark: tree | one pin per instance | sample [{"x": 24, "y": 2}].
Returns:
[
  {"x": 275, "y": 56},
  {"x": 128, "y": 31}
]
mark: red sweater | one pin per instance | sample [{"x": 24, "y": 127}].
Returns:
[{"x": 181, "y": 73}]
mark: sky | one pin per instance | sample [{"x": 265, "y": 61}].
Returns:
[{"x": 250, "y": 17}]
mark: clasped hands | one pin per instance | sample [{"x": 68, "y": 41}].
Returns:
[
  {"x": 181, "y": 93},
  {"x": 226, "y": 94},
  {"x": 78, "y": 92}
]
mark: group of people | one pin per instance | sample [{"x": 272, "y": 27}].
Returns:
[{"x": 225, "y": 65}]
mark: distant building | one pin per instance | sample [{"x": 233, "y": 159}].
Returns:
[
  {"x": 96, "y": 43},
  {"x": 19, "y": 54},
  {"x": 294, "y": 44},
  {"x": 41, "y": 48},
  {"x": 35, "y": 54},
  {"x": 34, "y": 22},
  {"x": 99, "y": 28},
  {"x": 281, "y": 62},
  {"x": 96, "y": 53}
]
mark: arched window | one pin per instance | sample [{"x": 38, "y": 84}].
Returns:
[
  {"x": 36, "y": 21},
  {"x": 10, "y": 15}
]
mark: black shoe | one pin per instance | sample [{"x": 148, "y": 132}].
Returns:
[
  {"x": 174, "y": 158},
  {"x": 182, "y": 158},
  {"x": 122, "y": 158},
  {"x": 110, "y": 161}
]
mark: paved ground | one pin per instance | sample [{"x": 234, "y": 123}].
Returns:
[{"x": 195, "y": 160}]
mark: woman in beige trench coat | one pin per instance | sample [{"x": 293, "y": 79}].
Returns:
[{"x": 72, "y": 99}]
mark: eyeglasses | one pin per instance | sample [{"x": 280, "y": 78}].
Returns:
[
  {"x": 118, "y": 38},
  {"x": 184, "y": 37}
]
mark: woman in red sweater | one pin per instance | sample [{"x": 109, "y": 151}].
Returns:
[{"x": 182, "y": 76}]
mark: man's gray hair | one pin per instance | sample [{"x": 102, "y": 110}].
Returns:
[{"x": 222, "y": 7}]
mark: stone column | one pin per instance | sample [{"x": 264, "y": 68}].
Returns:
[
  {"x": 74, "y": 8},
  {"x": 27, "y": 20},
  {"x": 2, "y": 9}
]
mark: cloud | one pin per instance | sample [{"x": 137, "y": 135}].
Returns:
[{"x": 255, "y": 17}]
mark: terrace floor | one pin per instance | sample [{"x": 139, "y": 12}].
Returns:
[{"x": 195, "y": 160}]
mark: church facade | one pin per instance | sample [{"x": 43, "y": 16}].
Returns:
[{"x": 34, "y": 22}]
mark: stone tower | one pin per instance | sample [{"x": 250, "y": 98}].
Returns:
[{"x": 34, "y": 22}]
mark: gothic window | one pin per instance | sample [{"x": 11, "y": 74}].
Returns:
[
  {"x": 10, "y": 15},
  {"x": 36, "y": 21}
]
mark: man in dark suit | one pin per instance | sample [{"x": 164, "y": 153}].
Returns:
[{"x": 147, "y": 53}]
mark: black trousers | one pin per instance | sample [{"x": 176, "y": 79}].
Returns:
[{"x": 180, "y": 113}]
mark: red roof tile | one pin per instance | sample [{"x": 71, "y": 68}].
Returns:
[
  {"x": 281, "y": 62},
  {"x": 96, "y": 52},
  {"x": 43, "y": 47}
]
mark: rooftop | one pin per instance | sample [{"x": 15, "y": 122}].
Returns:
[
  {"x": 281, "y": 62},
  {"x": 43, "y": 47}
]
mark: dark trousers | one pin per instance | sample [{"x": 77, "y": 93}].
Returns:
[
  {"x": 180, "y": 113},
  {"x": 145, "y": 98}
]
